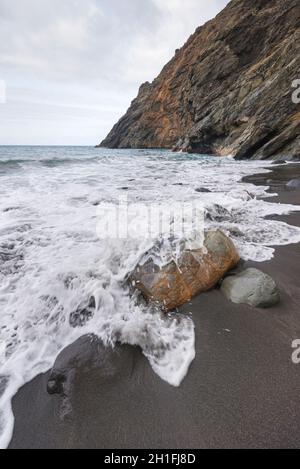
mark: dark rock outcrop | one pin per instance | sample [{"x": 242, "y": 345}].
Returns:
[
  {"x": 227, "y": 91},
  {"x": 195, "y": 272}
]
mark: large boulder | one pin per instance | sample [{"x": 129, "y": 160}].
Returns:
[
  {"x": 194, "y": 272},
  {"x": 251, "y": 287}
]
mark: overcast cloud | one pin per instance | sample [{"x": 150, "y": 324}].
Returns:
[{"x": 72, "y": 67}]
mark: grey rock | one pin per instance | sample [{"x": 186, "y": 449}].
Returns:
[
  {"x": 203, "y": 189},
  {"x": 251, "y": 287},
  {"x": 294, "y": 184},
  {"x": 279, "y": 162}
]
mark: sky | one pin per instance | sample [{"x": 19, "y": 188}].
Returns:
[{"x": 70, "y": 68}]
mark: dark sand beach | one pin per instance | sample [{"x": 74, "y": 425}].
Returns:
[{"x": 242, "y": 390}]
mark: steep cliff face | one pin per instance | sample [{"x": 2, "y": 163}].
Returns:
[{"x": 227, "y": 91}]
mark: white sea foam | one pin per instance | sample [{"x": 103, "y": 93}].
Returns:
[{"x": 52, "y": 263}]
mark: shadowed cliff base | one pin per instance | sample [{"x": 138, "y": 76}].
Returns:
[
  {"x": 228, "y": 90},
  {"x": 242, "y": 390}
]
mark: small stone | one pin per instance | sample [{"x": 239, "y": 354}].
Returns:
[
  {"x": 55, "y": 386},
  {"x": 294, "y": 184},
  {"x": 203, "y": 189},
  {"x": 279, "y": 162}
]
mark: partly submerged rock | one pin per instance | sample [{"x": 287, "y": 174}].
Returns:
[
  {"x": 83, "y": 314},
  {"x": 251, "y": 287},
  {"x": 203, "y": 189},
  {"x": 194, "y": 272},
  {"x": 294, "y": 184},
  {"x": 279, "y": 162},
  {"x": 86, "y": 354}
]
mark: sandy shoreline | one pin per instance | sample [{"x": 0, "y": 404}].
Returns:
[{"x": 242, "y": 390}]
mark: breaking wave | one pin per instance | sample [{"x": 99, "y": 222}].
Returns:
[{"x": 58, "y": 281}]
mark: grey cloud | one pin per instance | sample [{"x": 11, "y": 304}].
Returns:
[{"x": 93, "y": 53}]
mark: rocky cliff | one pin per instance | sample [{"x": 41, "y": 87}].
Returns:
[{"x": 228, "y": 90}]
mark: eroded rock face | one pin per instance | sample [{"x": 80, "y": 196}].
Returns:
[
  {"x": 251, "y": 287},
  {"x": 227, "y": 91},
  {"x": 195, "y": 271}
]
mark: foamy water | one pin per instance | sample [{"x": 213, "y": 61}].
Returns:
[{"x": 53, "y": 266}]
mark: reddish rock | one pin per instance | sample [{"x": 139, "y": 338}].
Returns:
[{"x": 195, "y": 272}]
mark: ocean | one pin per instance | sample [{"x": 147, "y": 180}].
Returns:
[{"x": 59, "y": 280}]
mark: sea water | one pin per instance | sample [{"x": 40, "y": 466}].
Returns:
[{"x": 52, "y": 263}]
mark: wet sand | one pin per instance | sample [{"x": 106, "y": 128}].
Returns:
[{"x": 242, "y": 390}]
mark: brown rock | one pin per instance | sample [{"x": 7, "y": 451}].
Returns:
[
  {"x": 227, "y": 90},
  {"x": 195, "y": 272}
]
